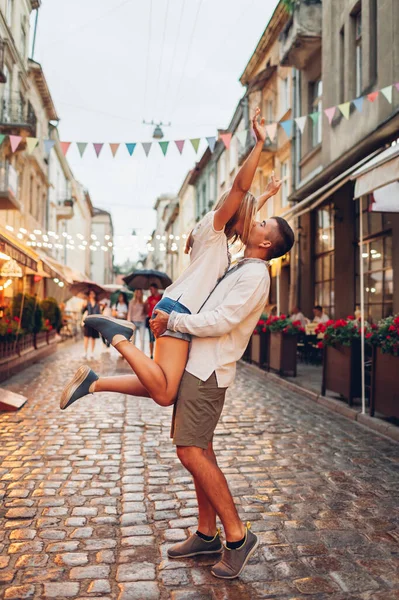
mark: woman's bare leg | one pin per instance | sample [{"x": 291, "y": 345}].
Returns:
[
  {"x": 161, "y": 376},
  {"x": 86, "y": 343},
  {"x": 125, "y": 384}
]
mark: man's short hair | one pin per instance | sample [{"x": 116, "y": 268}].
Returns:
[
  {"x": 284, "y": 241},
  {"x": 318, "y": 307},
  {"x": 153, "y": 285}
]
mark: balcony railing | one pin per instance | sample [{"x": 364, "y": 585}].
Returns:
[
  {"x": 301, "y": 37},
  {"x": 8, "y": 187},
  {"x": 65, "y": 209},
  {"x": 15, "y": 114}
]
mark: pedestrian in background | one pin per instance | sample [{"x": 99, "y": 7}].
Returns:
[
  {"x": 137, "y": 314},
  {"x": 297, "y": 315},
  {"x": 120, "y": 309},
  {"x": 106, "y": 311},
  {"x": 150, "y": 304},
  {"x": 91, "y": 308}
]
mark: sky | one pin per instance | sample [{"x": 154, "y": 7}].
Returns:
[{"x": 112, "y": 63}]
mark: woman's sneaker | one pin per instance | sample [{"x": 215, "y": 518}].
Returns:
[
  {"x": 110, "y": 327},
  {"x": 234, "y": 561},
  {"x": 195, "y": 545},
  {"x": 78, "y": 387}
]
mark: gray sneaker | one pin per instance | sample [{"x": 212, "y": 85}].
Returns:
[
  {"x": 195, "y": 545},
  {"x": 234, "y": 561},
  {"x": 78, "y": 387}
]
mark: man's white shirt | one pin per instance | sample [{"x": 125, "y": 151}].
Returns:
[{"x": 226, "y": 322}]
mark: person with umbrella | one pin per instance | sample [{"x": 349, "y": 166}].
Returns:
[
  {"x": 209, "y": 260},
  {"x": 137, "y": 315}
]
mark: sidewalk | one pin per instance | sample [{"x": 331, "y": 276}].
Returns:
[{"x": 92, "y": 497}]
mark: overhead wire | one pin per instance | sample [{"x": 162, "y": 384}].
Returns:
[
  {"x": 161, "y": 59},
  {"x": 169, "y": 77},
  {"x": 147, "y": 68}
]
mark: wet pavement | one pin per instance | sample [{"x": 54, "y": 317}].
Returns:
[{"x": 91, "y": 498}]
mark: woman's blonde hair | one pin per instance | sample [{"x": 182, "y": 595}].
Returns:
[
  {"x": 138, "y": 297},
  {"x": 246, "y": 215}
]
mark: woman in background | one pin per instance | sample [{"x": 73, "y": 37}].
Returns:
[
  {"x": 120, "y": 309},
  {"x": 92, "y": 308},
  {"x": 137, "y": 315}
]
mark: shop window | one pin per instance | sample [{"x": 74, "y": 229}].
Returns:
[
  {"x": 324, "y": 259},
  {"x": 316, "y": 107}
]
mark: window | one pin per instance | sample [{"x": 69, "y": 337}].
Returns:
[
  {"x": 203, "y": 206},
  {"x": 9, "y": 11},
  {"x": 211, "y": 189},
  {"x": 341, "y": 82},
  {"x": 358, "y": 52},
  {"x": 316, "y": 107},
  {"x": 285, "y": 186},
  {"x": 222, "y": 168},
  {"x": 324, "y": 259},
  {"x": 285, "y": 95},
  {"x": 233, "y": 155}
]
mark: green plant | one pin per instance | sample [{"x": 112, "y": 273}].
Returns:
[
  {"x": 283, "y": 324},
  {"x": 32, "y": 316},
  {"x": 9, "y": 330},
  {"x": 290, "y": 5},
  {"x": 388, "y": 335},
  {"x": 51, "y": 313},
  {"x": 343, "y": 331}
]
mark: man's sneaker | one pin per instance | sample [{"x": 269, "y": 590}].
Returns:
[
  {"x": 110, "y": 327},
  {"x": 78, "y": 387},
  {"x": 195, "y": 545},
  {"x": 234, "y": 561}
]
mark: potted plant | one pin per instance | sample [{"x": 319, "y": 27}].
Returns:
[
  {"x": 52, "y": 317},
  {"x": 384, "y": 381},
  {"x": 257, "y": 342},
  {"x": 283, "y": 344},
  {"x": 341, "y": 357}
]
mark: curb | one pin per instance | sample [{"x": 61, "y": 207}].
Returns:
[{"x": 373, "y": 424}]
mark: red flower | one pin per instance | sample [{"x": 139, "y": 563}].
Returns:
[
  {"x": 9, "y": 330},
  {"x": 256, "y": 332},
  {"x": 268, "y": 321},
  {"x": 374, "y": 326},
  {"x": 392, "y": 328},
  {"x": 388, "y": 337},
  {"x": 320, "y": 345},
  {"x": 330, "y": 322},
  {"x": 368, "y": 335},
  {"x": 285, "y": 329},
  {"x": 396, "y": 320},
  {"x": 264, "y": 330},
  {"x": 283, "y": 317},
  {"x": 351, "y": 318},
  {"x": 296, "y": 323},
  {"x": 16, "y": 319},
  {"x": 7, "y": 321}
]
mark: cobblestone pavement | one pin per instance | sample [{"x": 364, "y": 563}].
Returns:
[{"x": 91, "y": 498}]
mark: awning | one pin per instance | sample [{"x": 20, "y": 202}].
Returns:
[
  {"x": 378, "y": 172},
  {"x": 54, "y": 269},
  {"x": 16, "y": 249}
]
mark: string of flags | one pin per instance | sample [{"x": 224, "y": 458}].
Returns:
[{"x": 271, "y": 129}]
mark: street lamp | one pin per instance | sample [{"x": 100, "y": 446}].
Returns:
[{"x": 158, "y": 133}]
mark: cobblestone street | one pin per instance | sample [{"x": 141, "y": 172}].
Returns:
[{"x": 92, "y": 497}]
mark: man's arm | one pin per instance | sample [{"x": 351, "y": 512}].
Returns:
[{"x": 243, "y": 180}]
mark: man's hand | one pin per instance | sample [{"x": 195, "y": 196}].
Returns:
[
  {"x": 159, "y": 324},
  {"x": 273, "y": 186},
  {"x": 259, "y": 128}
]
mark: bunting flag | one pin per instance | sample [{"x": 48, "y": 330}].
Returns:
[
  {"x": 48, "y": 145},
  {"x": 146, "y": 147},
  {"x": 211, "y": 143},
  {"x": 301, "y": 122},
  {"x": 287, "y": 126},
  {"x": 345, "y": 109},
  {"x": 271, "y": 131},
  {"x": 81, "y": 147},
  {"x": 242, "y": 137},
  {"x": 315, "y": 117},
  {"x": 226, "y": 139},
  {"x": 397, "y": 86},
  {"x": 180, "y": 145},
  {"x": 387, "y": 92},
  {"x": 330, "y": 112},
  {"x": 195, "y": 142},
  {"x": 97, "y": 148},
  {"x": 65, "y": 147},
  {"x": 130, "y": 148},
  {"x": 14, "y": 141},
  {"x": 113, "y": 147},
  {"x": 358, "y": 103},
  {"x": 373, "y": 96},
  {"x": 31, "y": 144},
  {"x": 164, "y": 147}
]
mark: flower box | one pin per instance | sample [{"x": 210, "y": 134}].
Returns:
[
  {"x": 384, "y": 384},
  {"x": 342, "y": 370},
  {"x": 255, "y": 349},
  {"x": 283, "y": 353}
]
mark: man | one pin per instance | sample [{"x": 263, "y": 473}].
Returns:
[
  {"x": 319, "y": 315},
  {"x": 297, "y": 315},
  {"x": 149, "y": 305},
  {"x": 221, "y": 333}
]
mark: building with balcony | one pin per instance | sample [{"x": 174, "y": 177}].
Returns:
[{"x": 102, "y": 238}]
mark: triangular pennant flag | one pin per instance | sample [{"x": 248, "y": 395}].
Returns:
[
  {"x": 2, "y": 136},
  {"x": 130, "y": 148},
  {"x": 330, "y": 112},
  {"x": 287, "y": 126},
  {"x": 387, "y": 92},
  {"x": 242, "y": 137},
  {"x": 180, "y": 145},
  {"x": 226, "y": 139},
  {"x": 211, "y": 143},
  {"x": 315, "y": 117},
  {"x": 114, "y": 149},
  {"x": 14, "y": 141},
  {"x": 48, "y": 144},
  {"x": 397, "y": 86},
  {"x": 358, "y": 103},
  {"x": 271, "y": 131},
  {"x": 164, "y": 147},
  {"x": 97, "y": 148},
  {"x": 301, "y": 122},
  {"x": 65, "y": 147},
  {"x": 345, "y": 109},
  {"x": 146, "y": 147},
  {"x": 31, "y": 144},
  {"x": 373, "y": 96},
  {"x": 195, "y": 143},
  {"x": 81, "y": 147}
]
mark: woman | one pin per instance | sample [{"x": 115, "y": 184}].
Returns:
[
  {"x": 209, "y": 260},
  {"x": 91, "y": 308},
  {"x": 137, "y": 315},
  {"x": 120, "y": 309}
]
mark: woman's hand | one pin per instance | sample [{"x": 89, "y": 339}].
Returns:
[
  {"x": 159, "y": 323},
  {"x": 273, "y": 186},
  {"x": 259, "y": 128}
]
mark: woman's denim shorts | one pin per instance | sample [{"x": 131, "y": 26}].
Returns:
[{"x": 167, "y": 305}]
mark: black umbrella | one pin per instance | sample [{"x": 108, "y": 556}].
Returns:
[
  {"x": 83, "y": 288},
  {"x": 141, "y": 280}
]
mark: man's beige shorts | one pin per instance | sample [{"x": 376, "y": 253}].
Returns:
[{"x": 196, "y": 411}]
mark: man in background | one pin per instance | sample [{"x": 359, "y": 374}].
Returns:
[{"x": 319, "y": 315}]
